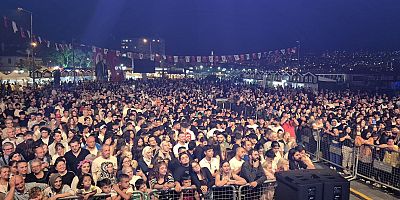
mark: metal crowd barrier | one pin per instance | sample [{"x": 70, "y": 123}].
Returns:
[
  {"x": 379, "y": 165},
  {"x": 322, "y": 149},
  {"x": 101, "y": 196},
  {"x": 226, "y": 192},
  {"x": 172, "y": 194},
  {"x": 137, "y": 195},
  {"x": 265, "y": 191}
]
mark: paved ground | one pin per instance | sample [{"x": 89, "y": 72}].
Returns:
[{"x": 371, "y": 192}]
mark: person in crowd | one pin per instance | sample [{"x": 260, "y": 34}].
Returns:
[
  {"x": 202, "y": 178},
  {"x": 19, "y": 189},
  {"x": 22, "y": 168},
  {"x": 106, "y": 188},
  {"x": 181, "y": 143},
  {"x": 123, "y": 189},
  {"x": 8, "y": 148},
  {"x": 209, "y": 161},
  {"x": 161, "y": 178},
  {"x": 4, "y": 179},
  {"x": 146, "y": 163},
  {"x": 75, "y": 155},
  {"x": 227, "y": 177},
  {"x": 84, "y": 167},
  {"x": 105, "y": 164},
  {"x": 36, "y": 194},
  {"x": 61, "y": 168},
  {"x": 252, "y": 170},
  {"x": 86, "y": 187},
  {"x": 37, "y": 175},
  {"x": 237, "y": 161},
  {"x": 57, "y": 189},
  {"x": 297, "y": 160}
]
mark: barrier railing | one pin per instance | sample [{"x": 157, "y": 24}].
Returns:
[
  {"x": 323, "y": 148},
  {"x": 226, "y": 192},
  {"x": 101, "y": 196},
  {"x": 172, "y": 194},
  {"x": 137, "y": 195},
  {"x": 379, "y": 165},
  {"x": 264, "y": 191}
]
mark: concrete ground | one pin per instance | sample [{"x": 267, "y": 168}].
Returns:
[{"x": 369, "y": 191}]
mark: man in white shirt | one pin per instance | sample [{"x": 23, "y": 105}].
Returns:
[
  {"x": 105, "y": 157},
  {"x": 237, "y": 161},
  {"x": 181, "y": 143},
  {"x": 210, "y": 162}
]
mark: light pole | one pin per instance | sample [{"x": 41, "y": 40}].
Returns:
[
  {"x": 32, "y": 44},
  {"x": 298, "y": 52},
  {"x": 73, "y": 59},
  {"x": 145, "y": 41}
]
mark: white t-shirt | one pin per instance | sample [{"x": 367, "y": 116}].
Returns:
[
  {"x": 213, "y": 165},
  {"x": 97, "y": 165},
  {"x": 235, "y": 163},
  {"x": 177, "y": 146}
]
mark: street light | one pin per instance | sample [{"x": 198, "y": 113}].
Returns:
[{"x": 32, "y": 44}]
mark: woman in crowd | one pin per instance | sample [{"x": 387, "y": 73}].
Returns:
[
  {"x": 84, "y": 167},
  {"x": 227, "y": 177},
  {"x": 146, "y": 162},
  {"x": 160, "y": 178},
  {"x": 201, "y": 177},
  {"x": 57, "y": 189}
]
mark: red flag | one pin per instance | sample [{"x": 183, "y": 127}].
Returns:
[
  {"x": 5, "y": 22},
  {"x": 254, "y": 56},
  {"x": 241, "y": 57}
]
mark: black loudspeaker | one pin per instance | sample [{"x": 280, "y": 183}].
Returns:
[{"x": 317, "y": 184}]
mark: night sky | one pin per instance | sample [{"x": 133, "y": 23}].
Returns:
[{"x": 195, "y": 27}]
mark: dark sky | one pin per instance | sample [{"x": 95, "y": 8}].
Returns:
[{"x": 192, "y": 27}]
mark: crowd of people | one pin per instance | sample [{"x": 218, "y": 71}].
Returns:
[{"x": 146, "y": 135}]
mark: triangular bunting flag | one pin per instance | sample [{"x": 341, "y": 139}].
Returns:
[
  {"x": 187, "y": 59},
  {"x": 211, "y": 58},
  {"x": 176, "y": 59},
  {"x": 14, "y": 26}
]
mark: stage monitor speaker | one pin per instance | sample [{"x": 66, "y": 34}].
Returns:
[{"x": 312, "y": 185}]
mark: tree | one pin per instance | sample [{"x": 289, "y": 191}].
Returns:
[{"x": 66, "y": 57}]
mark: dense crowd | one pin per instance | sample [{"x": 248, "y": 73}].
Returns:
[{"x": 118, "y": 138}]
